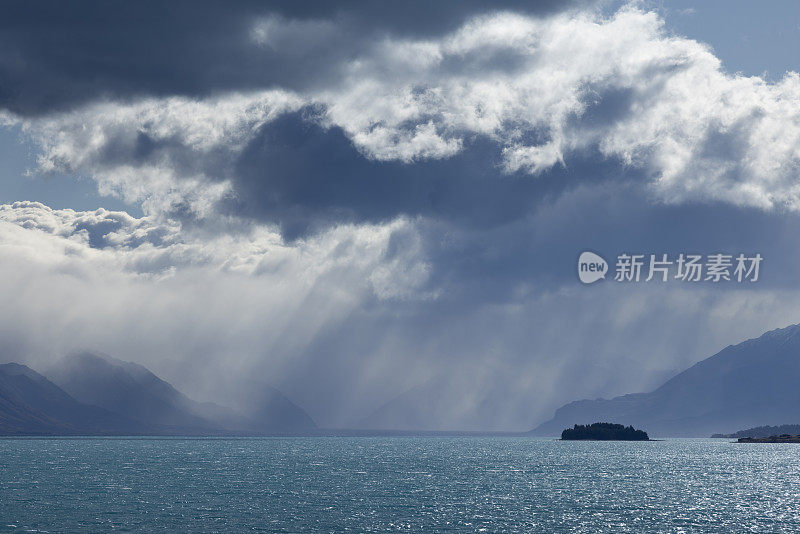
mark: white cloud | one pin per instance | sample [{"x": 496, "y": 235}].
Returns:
[
  {"x": 543, "y": 88},
  {"x": 158, "y": 152},
  {"x": 109, "y": 241},
  {"x": 662, "y": 103}
]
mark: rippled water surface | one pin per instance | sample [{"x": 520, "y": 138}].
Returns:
[{"x": 401, "y": 483}]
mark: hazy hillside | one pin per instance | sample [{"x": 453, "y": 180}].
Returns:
[
  {"x": 267, "y": 408},
  {"x": 750, "y": 384},
  {"x": 419, "y": 408},
  {"x": 31, "y": 404},
  {"x": 128, "y": 389},
  {"x": 133, "y": 390}
]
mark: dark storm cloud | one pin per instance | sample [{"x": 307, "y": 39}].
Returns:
[
  {"x": 54, "y": 55},
  {"x": 305, "y": 177}
]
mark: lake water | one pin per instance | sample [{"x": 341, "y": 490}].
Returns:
[{"x": 430, "y": 484}]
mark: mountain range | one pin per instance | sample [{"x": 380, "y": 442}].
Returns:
[
  {"x": 747, "y": 385},
  {"x": 750, "y": 384},
  {"x": 90, "y": 394}
]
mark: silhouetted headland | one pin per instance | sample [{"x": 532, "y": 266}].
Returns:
[{"x": 783, "y": 438}]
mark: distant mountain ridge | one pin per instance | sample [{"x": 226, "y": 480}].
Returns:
[
  {"x": 745, "y": 385},
  {"x": 762, "y": 432},
  {"x": 91, "y": 393}
]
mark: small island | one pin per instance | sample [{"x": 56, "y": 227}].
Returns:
[
  {"x": 604, "y": 432},
  {"x": 783, "y": 438}
]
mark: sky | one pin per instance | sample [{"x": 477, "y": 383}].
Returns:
[{"x": 369, "y": 205}]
